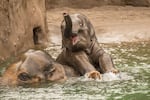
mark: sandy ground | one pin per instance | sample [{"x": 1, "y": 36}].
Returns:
[{"x": 111, "y": 23}]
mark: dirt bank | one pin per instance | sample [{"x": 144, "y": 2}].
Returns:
[{"x": 111, "y": 23}]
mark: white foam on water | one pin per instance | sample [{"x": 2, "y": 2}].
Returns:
[
  {"x": 110, "y": 77},
  {"x": 120, "y": 76}
]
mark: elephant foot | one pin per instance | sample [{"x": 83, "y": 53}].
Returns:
[
  {"x": 93, "y": 75},
  {"x": 115, "y": 71}
]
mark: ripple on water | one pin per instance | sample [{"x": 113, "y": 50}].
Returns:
[{"x": 132, "y": 83}]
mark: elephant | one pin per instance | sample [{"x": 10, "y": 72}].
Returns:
[
  {"x": 35, "y": 66},
  {"x": 80, "y": 47}
]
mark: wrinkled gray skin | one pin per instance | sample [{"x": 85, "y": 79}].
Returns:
[
  {"x": 80, "y": 46},
  {"x": 34, "y": 67}
]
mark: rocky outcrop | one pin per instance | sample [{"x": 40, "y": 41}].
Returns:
[{"x": 22, "y": 26}]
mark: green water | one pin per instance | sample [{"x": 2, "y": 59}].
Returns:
[{"x": 132, "y": 59}]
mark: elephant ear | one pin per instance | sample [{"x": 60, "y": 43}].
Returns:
[{"x": 90, "y": 27}]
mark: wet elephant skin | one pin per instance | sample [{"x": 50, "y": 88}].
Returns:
[
  {"x": 80, "y": 47},
  {"x": 34, "y": 66}
]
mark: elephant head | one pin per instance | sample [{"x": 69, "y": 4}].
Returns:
[
  {"x": 77, "y": 32},
  {"x": 33, "y": 67}
]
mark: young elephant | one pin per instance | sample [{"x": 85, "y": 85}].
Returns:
[
  {"x": 34, "y": 66},
  {"x": 81, "y": 49}
]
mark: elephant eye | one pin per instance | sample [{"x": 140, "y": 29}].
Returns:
[
  {"x": 81, "y": 24},
  {"x": 24, "y": 76}
]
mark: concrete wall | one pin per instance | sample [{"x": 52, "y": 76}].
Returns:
[{"x": 22, "y": 26}]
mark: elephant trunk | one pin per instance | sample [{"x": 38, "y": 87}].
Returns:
[{"x": 68, "y": 28}]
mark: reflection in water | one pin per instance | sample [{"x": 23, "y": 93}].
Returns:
[{"x": 133, "y": 60}]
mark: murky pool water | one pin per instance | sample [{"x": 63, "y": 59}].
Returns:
[{"x": 132, "y": 59}]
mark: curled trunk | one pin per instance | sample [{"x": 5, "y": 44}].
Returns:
[{"x": 68, "y": 28}]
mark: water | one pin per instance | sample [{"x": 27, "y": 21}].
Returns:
[{"x": 132, "y": 59}]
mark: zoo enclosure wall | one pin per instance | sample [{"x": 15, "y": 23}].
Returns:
[{"x": 94, "y": 3}]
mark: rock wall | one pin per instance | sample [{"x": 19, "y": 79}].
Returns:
[
  {"x": 22, "y": 26},
  {"x": 92, "y": 3},
  {"x": 142, "y": 3},
  {"x": 80, "y": 3}
]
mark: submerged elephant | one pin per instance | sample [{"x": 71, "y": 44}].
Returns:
[
  {"x": 34, "y": 66},
  {"x": 81, "y": 49}
]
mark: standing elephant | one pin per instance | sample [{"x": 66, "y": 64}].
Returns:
[{"x": 81, "y": 49}]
